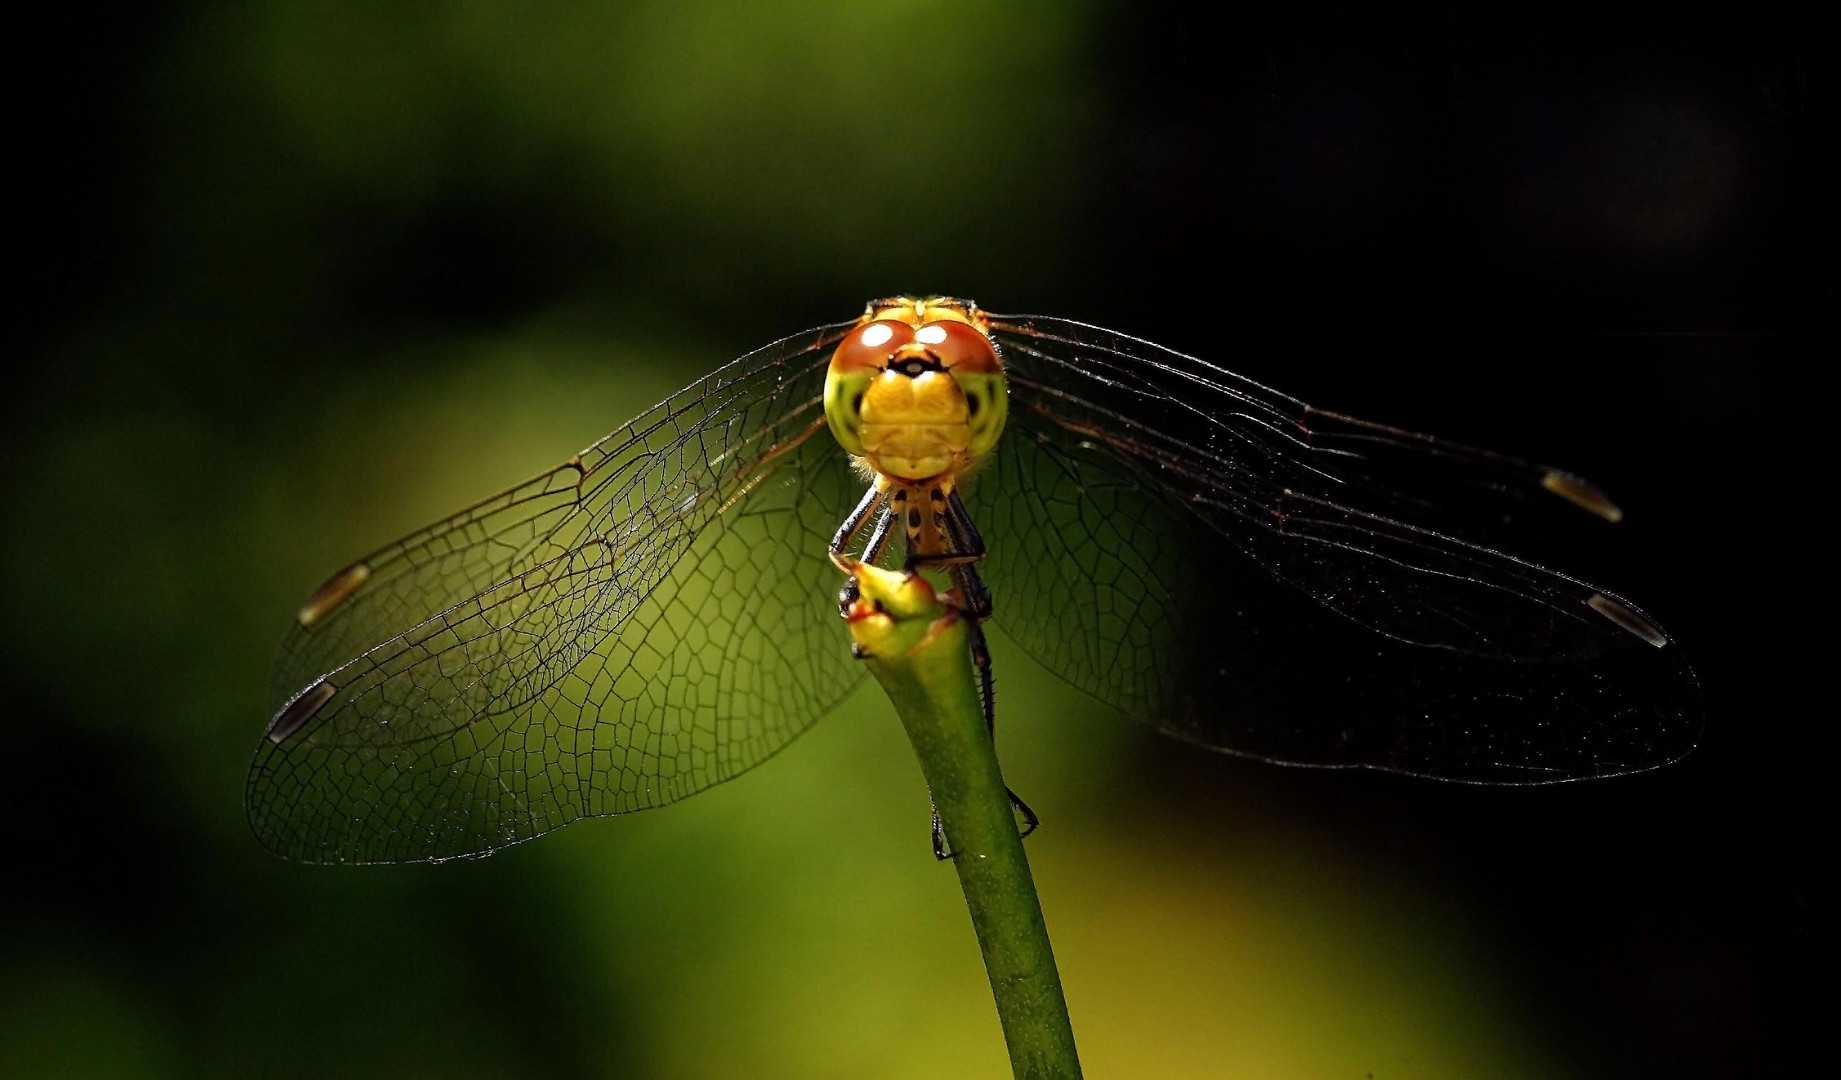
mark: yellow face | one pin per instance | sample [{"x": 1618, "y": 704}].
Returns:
[{"x": 916, "y": 389}]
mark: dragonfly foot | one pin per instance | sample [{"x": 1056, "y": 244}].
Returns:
[
  {"x": 940, "y": 850},
  {"x": 1028, "y": 824},
  {"x": 1030, "y": 820}
]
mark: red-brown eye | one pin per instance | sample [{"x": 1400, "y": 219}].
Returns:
[
  {"x": 959, "y": 347},
  {"x": 871, "y": 345}
]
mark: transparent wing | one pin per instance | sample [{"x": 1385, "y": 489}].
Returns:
[
  {"x": 1255, "y": 575},
  {"x": 652, "y": 617}
]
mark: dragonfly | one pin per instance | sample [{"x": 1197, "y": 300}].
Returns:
[{"x": 1219, "y": 560}]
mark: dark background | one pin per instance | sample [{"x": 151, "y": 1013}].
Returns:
[{"x": 288, "y": 273}]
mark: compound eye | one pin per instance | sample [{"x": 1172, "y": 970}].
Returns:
[
  {"x": 871, "y": 345},
  {"x": 959, "y": 347}
]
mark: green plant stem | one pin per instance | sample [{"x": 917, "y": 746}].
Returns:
[{"x": 917, "y": 649}]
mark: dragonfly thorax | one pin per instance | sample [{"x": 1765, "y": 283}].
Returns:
[{"x": 916, "y": 390}]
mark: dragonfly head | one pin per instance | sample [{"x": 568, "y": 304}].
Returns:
[{"x": 917, "y": 389}]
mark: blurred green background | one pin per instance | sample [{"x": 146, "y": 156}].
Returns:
[{"x": 303, "y": 276}]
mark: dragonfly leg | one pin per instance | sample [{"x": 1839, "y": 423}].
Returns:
[
  {"x": 977, "y": 594},
  {"x": 981, "y": 660},
  {"x": 878, "y": 539},
  {"x": 965, "y": 530},
  {"x": 978, "y": 604},
  {"x": 940, "y": 850},
  {"x": 840, "y": 542},
  {"x": 965, "y": 547},
  {"x": 955, "y": 522},
  {"x": 872, "y": 550},
  {"x": 987, "y": 690},
  {"x": 1030, "y": 820}
]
